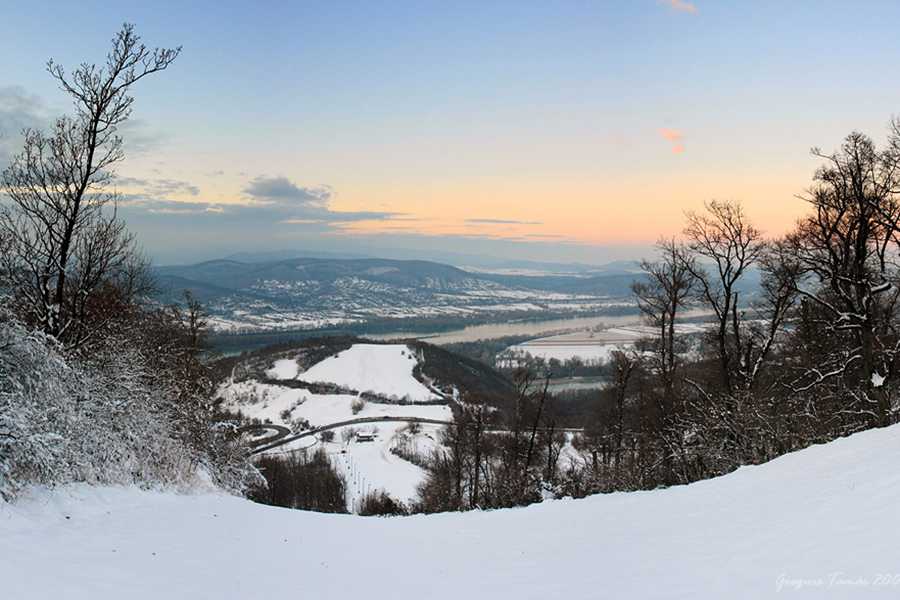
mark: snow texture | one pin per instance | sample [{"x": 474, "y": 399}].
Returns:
[
  {"x": 820, "y": 523},
  {"x": 286, "y": 368},
  {"x": 367, "y": 466},
  {"x": 387, "y": 369}
]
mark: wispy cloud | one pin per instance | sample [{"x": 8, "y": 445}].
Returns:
[
  {"x": 542, "y": 237},
  {"x": 678, "y": 5},
  {"x": 267, "y": 202},
  {"x": 19, "y": 110},
  {"x": 674, "y": 137},
  {"x": 140, "y": 138},
  {"x": 502, "y": 222},
  {"x": 157, "y": 189}
]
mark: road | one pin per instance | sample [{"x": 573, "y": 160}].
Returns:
[
  {"x": 280, "y": 432},
  {"x": 275, "y": 442}
]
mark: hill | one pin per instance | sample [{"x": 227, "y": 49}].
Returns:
[
  {"x": 304, "y": 293},
  {"x": 442, "y": 369},
  {"x": 820, "y": 522},
  {"x": 352, "y": 386}
]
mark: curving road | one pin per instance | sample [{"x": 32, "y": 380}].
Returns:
[
  {"x": 280, "y": 440},
  {"x": 280, "y": 432}
]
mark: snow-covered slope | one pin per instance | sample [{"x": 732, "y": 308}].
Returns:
[
  {"x": 821, "y": 523},
  {"x": 386, "y": 369},
  {"x": 383, "y": 369}
]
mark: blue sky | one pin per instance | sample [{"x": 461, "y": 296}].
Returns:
[{"x": 566, "y": 131}]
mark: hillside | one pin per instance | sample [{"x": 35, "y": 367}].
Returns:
[
  {"x": 307, "y": 293},
  {"x": 365, "y": 387},
  {"x": 445, "y": 370},
  {"x": 820, "y": 522}
]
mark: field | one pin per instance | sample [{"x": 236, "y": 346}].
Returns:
[{"x": 382, "y": 369}]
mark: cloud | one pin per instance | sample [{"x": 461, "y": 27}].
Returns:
[
  {"x": 502, "y": 222},
  {"x": 157, "y": 188},
  {"x": 282, "y": 200},
  {"x": 172, "y": 207},
  {"x": 282, "y": 190},
  {"x": 674, "y": 137},
  {"x": 679, "y": 6},
  {"x": 139, "y": 137},
  {"x": 19, "y": 110},
  {"x": 542, "y": 237},
  {"x": 274, "y": 205}
]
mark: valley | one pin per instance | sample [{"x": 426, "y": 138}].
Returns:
[
  {"x": 255, "y": 304},
  {"x": 372, "y": 382}
]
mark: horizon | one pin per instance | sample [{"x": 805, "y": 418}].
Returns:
[{"x": 555, "y": 134}]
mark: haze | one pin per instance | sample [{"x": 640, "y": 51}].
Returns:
[{"x": 548, "y": 131}]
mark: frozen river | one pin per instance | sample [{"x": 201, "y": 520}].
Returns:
[
  {"x": 488, "y": 331},
  {"x": 537, "y": 329}
]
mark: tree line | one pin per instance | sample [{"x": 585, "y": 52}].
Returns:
[{"x": 811, "y": 356}]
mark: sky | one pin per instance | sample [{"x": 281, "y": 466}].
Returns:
[{"x": 567, "y": 131}]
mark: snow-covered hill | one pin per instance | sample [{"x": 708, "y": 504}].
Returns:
[
  {"x": 821, "y": 523},
  {"x": 303, "y": 293},
  {"x": 382, "y": 371},
  {"x": 386, "y": 369}
]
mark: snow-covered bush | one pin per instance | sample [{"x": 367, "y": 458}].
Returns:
[
  {"x": 35, "y": 399},
  {"x": 103, "y": 418},
  {"x": 61, "y": 421}
]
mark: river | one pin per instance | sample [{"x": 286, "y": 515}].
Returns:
[
  {"x": 473, "y": 333},
  {"x": 488, "y": 331}
]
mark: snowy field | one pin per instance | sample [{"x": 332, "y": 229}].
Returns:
[
  {"x": 821, "y": 523},
  {"x": 590, "y": 346},
  {"x": 368, "y": 466},
  {"x": 383, "y": 368}
]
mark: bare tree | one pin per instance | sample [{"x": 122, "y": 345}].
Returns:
[
  {"x": 724, "y": 237},
  {"x": 64, "y": 245},
  {"x": 844, "y": 249},
  {"x": 624, "y": 365},
  {"x": 665, "y": 292}
]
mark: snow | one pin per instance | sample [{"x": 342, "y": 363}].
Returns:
[
  {"x": 591, "y": 346},
  {"x": 370, "y": 466},
  {"x": 318, "y": 409},
  {"x": 385, "y": 368},
  {"x": 594, "y": 353},
  {"x": 286, "y": 368},
  {"x": 821, "y": 523},
  {"x": 373, "y": 460}
]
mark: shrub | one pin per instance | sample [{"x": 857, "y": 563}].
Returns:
[
  {"x": 380, "y": 503},
  {"x": 302, "y": 482}
]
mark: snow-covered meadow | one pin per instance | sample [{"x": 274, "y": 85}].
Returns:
[
  {"x": 820, "y": 523},
  {"x": 382, "y": 368},
  {"x": 368, "y": 466},
  {"x": 591, "y": 346}
]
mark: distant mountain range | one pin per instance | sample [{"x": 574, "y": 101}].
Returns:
[
  {"x": 303, "y": 291},
  {"x": 295, "y": 278}
]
